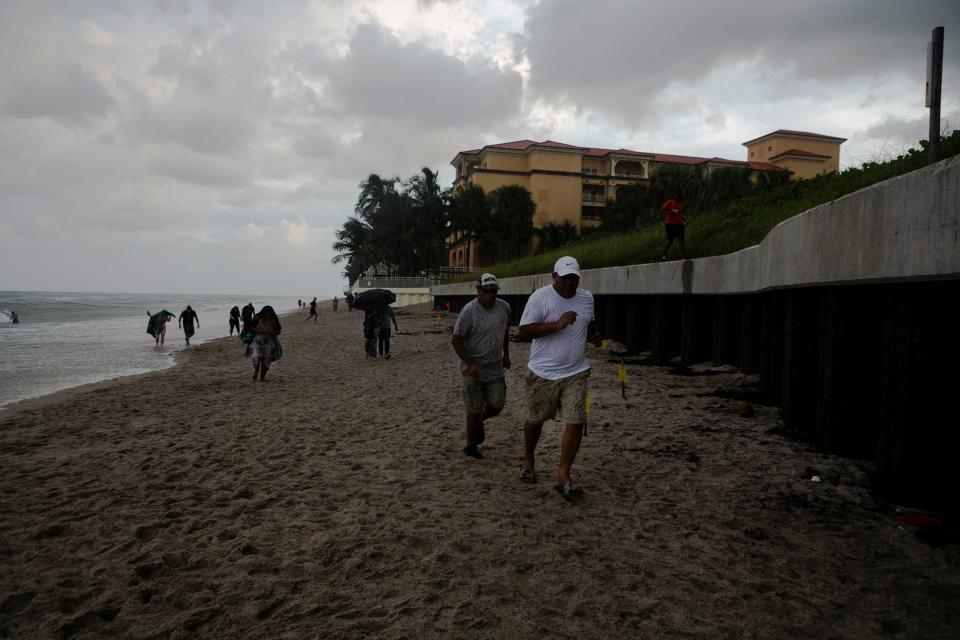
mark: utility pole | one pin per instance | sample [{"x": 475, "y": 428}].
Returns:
[{"x": 934, "y": 78}]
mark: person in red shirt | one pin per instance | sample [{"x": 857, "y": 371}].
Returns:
[{"x": 674, "y": 223}]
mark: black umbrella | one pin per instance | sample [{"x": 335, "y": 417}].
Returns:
[{"x": 374, "y": 299}]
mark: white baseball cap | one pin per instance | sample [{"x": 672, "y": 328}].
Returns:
[
  {"x": 567, "y": 266},
  {"x": 488, "y": 281}
]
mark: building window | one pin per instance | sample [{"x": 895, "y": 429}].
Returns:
[
  {"x": 770, "y": 148},
  {"x": 752, "y": 153}
]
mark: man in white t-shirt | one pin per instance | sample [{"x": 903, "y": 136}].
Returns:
[{"x": 560, "y": 320}]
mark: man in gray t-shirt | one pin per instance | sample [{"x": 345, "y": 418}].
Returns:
[{"x": 481, "y": 339}]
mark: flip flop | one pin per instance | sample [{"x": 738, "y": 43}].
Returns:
[
  {"x": 528, "y": 476},
  {"x": 569, "y": 491}
]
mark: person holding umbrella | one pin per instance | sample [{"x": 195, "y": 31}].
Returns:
[{"x": 372, "y": 302}]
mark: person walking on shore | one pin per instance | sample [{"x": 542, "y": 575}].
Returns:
[
  {"x": 235, "y": 319},
  {"x": 384, "y": 317},
  {"x": 559, "y": 318},
  {"x": 349, "y": 299},
  {"x": 674, "y": 224},
  {"x": 265, "y": 347},
  {"x": 481, "y": 339},
  {"x": 313, "y": 311},
  {"x": 336, "y": 303},
  {"x": 187, "y": 317},
  {"x": 246, "y": 315},
  {"x": 157, "y": 325}
]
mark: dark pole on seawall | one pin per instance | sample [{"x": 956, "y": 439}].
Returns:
[{"x": 933, "y": 93}]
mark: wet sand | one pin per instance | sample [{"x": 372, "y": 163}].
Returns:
[{"x": 333, "y": 501}]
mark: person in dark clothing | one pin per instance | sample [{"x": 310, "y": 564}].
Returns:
[
  {"x": 349, "y": 299},
  {"x": 313, "y": 311},
  {"x": 187, "y": 317},
  {"x": 370, "y": 326},
  {"x": 246, "y": 315},
  {"x": 235, "y": 319},
  {"x": 384, "y": 317}
]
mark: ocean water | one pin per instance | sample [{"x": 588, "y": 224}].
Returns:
[{"x": 65, "y": 340}]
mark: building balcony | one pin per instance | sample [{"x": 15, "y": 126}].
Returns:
[{"x": 597, "y": 199}]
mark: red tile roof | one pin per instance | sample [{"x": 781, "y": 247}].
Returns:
[
  {"x": 798, "y": 152},
  {"x": 788, "y": 132},
  {"x": 765, "y": 166},
  {"x": 597, "y": 152}
]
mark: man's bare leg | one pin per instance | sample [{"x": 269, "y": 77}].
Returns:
[
  {"x": 256, "y": 370},
  {"x": 569, "y": 445},
  {"x": 531, "y": 436}
]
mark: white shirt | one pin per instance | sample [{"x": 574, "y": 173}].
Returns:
[{"x": 561, "y": 354}]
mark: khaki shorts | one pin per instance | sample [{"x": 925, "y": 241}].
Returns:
[
  {"x": 561, "y": 399},
  {"x": 478, "y": 395}
]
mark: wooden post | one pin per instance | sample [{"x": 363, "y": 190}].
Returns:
[{"x": 936, "y": 77}]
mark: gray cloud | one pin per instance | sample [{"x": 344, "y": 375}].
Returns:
[
  {"x": 204, "y": 171},
  {"x": 73, "y": 96},
  {"x": 621, "y": 56},
  {"x": 381, "y": 77}
]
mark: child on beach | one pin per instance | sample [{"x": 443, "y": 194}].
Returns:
[
  {"x": 157, "y": 325},
  {"x": 265, "y": 347}
]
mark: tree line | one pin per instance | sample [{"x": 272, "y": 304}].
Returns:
[{"x": 407, "y": 223}]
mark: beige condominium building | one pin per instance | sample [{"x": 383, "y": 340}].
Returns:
[
  {"x": 570, "y": 183},
  {"x": 804, "y": 154}
]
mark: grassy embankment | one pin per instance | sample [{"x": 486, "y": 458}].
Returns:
[{"x": 725, "y": 229}]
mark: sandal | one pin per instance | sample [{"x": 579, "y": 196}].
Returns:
[
  {"x": 528, "y": 476},
  {"x": 569, "y": 491}
]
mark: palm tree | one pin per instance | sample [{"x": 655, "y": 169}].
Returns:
[
  {"x": 553, "y": 235},
  {"x": 511, "y": 222},
  {"x": 431, "y": 205},
  {"x": 373, "y": 192},
  {"x": 353, "y": 247},
  {"x": 469, "y": 213}
]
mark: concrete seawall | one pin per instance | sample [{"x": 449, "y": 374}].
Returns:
[
  {"x": 903, "y": 228},
  {"x": 845, "y": 311}
]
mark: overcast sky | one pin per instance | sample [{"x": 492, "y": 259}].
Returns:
[{"x": 215, "y": 147}]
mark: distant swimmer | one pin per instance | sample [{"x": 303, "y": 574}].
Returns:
[
  {"x": 187, "y": 317},
  {"x": 14, "y": 318},
  {"x": 235, "y": 319},
  {"x": 157, "y": 325}
]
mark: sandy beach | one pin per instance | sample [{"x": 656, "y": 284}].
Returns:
[{"x": 333, "y": 501}]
